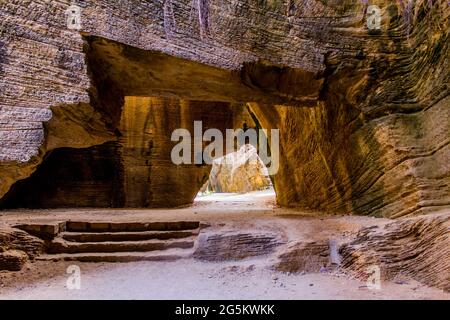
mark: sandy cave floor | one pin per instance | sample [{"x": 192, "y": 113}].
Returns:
[{"x": 252, "y": 278}]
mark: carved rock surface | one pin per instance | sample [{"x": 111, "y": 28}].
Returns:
[
  {"x": 134, "y": 171},
  {"x": 304, "y": 257},
  {"x": 16, "y": 247},
  {"x": 364, "y": 116},
  {"x": 239, "y": 172},
  {"x": 13, "y": 260},
  {"x": 234, "y": 246},
  {"x": 418, "y": 248}
]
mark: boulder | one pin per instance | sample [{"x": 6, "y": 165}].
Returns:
[
  {"x": 239, "y": 172},
  {"x": 13, "y": 260},
  {"x": 15, "y": 239}
]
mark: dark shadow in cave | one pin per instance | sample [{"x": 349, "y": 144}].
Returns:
[{"x": 71, "y": 178}]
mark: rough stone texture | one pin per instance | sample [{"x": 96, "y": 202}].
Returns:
[
  {"x": 13, "y": 260},
  {"x": 18, "y": 240},
  {"x": 234, "y": 246},
  {"x": 125, "y": 236},
  {"x": 134, "y": 171},
  {"x": 304, "y": 257},
  {"x": 62, "y": 246},
  {"x": 239, "y": 172},
  {"x": 43, "y": 231},
  {"x": 418, "y": 248},
  {"x": 81, "y": 226},
  {"x": 126, "y": 68},
  {"x": 393, "y": 166},
  {"x": 364, "y": 116},
  {"x": 121, "y": 241}
]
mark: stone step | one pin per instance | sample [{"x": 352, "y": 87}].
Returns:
[
  {"x": 158, "y": 255},
  {"x": 77, "y": 226},
  {"x": 126, "y": 236},
  {"x": 46, "y": 231},
  {"x": 59, "y": 245}
]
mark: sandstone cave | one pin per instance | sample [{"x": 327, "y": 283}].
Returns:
[{"x": 88, "y": 106}]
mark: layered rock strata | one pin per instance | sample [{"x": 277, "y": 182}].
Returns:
[{"x": 363, "y": 114}]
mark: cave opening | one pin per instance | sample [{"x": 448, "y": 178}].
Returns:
[{"x": 116, "y": 151}]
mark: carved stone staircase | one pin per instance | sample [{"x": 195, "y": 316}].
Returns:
[{"x": 116, "y": 242}]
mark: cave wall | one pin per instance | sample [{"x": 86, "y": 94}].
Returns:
[
  {"x": 393, "y": 166},
  {"x": 365, "y": 115},
  {"x": 134, "y": 171},
  {"x": 378, "y": 140}
]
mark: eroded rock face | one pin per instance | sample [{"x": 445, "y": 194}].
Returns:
[
  {"x": 12, "y": 260},
  {"x": 304, "y": 257},
  {"x": 234, "y": 246},
  {"x": 363, "y": 116},
  {"x": 417, "y": 248}
]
